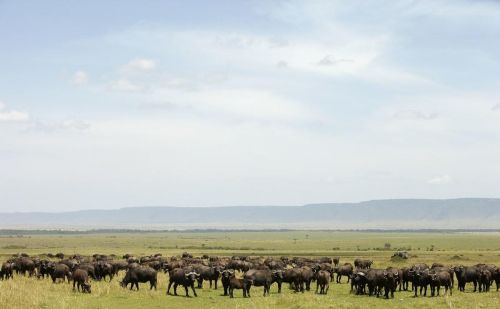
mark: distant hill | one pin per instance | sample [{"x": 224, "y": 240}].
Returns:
[{"x": 467, "y": 213}]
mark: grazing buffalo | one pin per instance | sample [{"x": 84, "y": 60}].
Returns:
[
  {"x": 322, "y": 282},
  {"x": 140, "y": 274},
  {"x": 185, "y": 277},
  {"x": 81, "y": 279}
]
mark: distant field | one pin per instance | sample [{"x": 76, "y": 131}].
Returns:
[{"x": 448, "y": 248}]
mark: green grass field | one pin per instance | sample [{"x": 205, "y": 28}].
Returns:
[{"x": 448, "y": 248}]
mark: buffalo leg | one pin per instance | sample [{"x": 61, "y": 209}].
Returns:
[{"x": 169, "y": 285}]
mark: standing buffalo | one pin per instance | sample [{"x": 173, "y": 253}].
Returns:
[
  {"x": 7, "y": 271},
  {"x": 322, "y": 282},
  {"x": 259, "y": 277},
  {"x": 140, "y": 274},
  {"x": 235, "y": 283},
  {"x": 208, "y": 273},
  {"x": 60, "y": 271},
  {"x": 420, "y": 278},
  {"x": 294, "y": 277},
  {"x": 344, "y": 270},
  {"x": 226, "y": 276},
  {"x": 439, "y": 279},
  {"x": 336, "y": 261},
  {"x": 378, "y": 279},
  {"x": 364, "y": 264},
  {"x": 185, "y": 277},
  {"x": 467, "y": 274}
]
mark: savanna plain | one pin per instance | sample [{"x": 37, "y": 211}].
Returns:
[{"x": 449, "y": 248}]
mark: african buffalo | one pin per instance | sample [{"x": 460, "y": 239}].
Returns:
[
  {"x": 439, "y": 279},
  {"x": 140, "y": 274},
  {"x": 185, "y": 277},
  {"x": 322, "y": 282},
  {"x": 81, "y": 279}
]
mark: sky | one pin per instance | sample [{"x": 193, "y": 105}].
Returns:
[{"x": 109, "y": 104}]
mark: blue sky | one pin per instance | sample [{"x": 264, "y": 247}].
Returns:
[{"x": 203, "y": 103}]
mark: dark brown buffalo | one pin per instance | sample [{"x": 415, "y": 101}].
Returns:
[
  {"x": 322, "y": 282},
  {"x": 81, "y": 279},
  {"x": 208, "y": 273},
  {"x": 235, "y": 284},
  {"x": 344, "y": 270},
  {"x": 7, "y": 271},
  {"x": 294, "y": 277},
  {"x": 439, "y": 279},
  {"x": 336, "y": 261},
  {"x": 467, "y": 274},
  {"x": 60, "y": 271},
  {"x": 364, "y": 264},
  {"x": 485, "y": 279},
  {"x": 182, "y": 276},
  {"x": 140, "y": 274}
]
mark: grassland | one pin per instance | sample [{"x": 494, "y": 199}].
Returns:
[{"x": 449, "y": 248}]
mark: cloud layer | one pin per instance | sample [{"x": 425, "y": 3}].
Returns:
[{"x": 285, "y": 102}]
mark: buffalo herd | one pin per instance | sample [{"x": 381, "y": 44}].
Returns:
[{"x": 243, "y": 272}]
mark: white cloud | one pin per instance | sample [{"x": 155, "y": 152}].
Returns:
[
  {"x": 125, "y": 85},
  {"x": 140, "y": 64},
  {"x": 496, "y": 107},
  {"x": 80, "y": 78},
  {"x": 414, "y": 114},
  {"x": 64, "y": 125},
  {"x": 282, "y": 64},
  {"x": 440, "y": 180},
  {"x": 330, "y": 60},
  {"x": 7, "y": 115}
]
